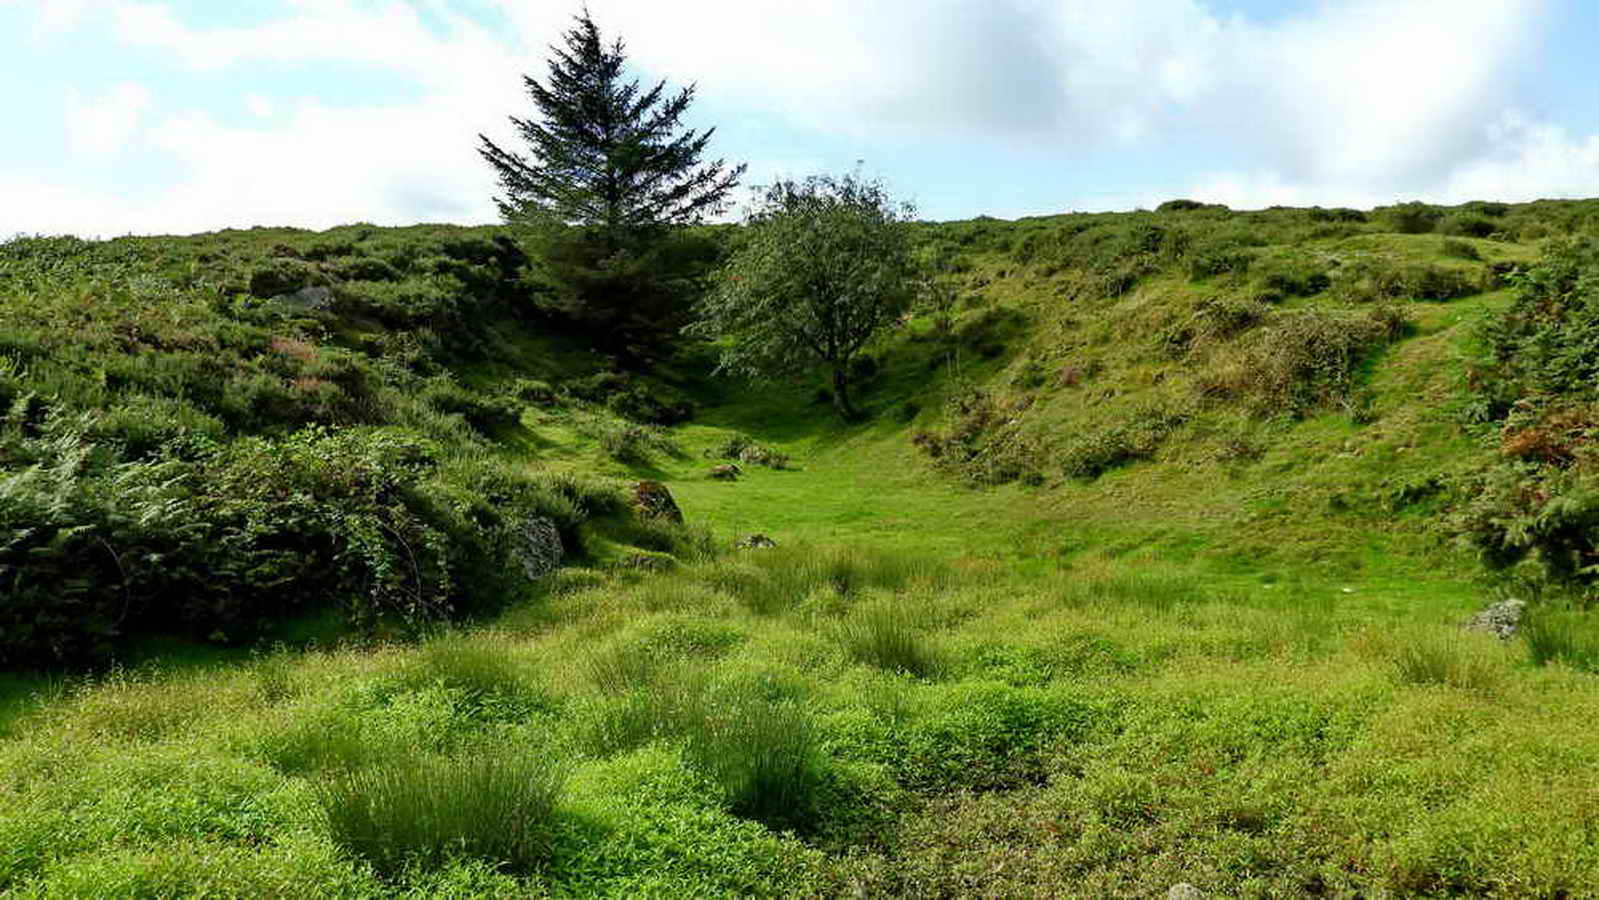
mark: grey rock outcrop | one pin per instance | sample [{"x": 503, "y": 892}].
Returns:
[
  {"x": 538, "y": 547},
  {"x": 651, "y": 500},
  {"x": 307, "y": 299},
  {"x": 1502, "y": 620},
  {"x": 754, "y": 542}
]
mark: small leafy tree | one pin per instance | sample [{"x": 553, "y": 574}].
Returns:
[
  {"x": 824, "y": 267},
  {"x": 610, "y": 170}
]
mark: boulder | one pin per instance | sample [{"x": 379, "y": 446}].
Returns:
[
  {"x": 308, "y": 299},
  {"x": 648, "y": 562},
  {"x": 1185, "y": 891},
  {"x": 1502, "y": 619},
  {"x": 726, "y": 472},
  {"x": 538, "y": 547},
  {"x": 754, "y": 542},
  {"x": 651, "y": 500}
]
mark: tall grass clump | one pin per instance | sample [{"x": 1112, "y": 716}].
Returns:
[
  {"x": 1563, "y": 636},
  {"x": 888, "y": 637},
  {"x": 763, "y": 755},
  {"x": 778, "y": 579},
  {"x": 478, "y": 666},
  {"x": 1453, "y": 660},
  {"x": 498, "y": 805}
]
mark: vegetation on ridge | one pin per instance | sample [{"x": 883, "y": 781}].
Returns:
[{"x": 1140, "y": 567}]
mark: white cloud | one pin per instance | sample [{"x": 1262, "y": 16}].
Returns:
[
  {"x": 1529, "y": 162},
  {"x": 103, "y": 126},
  {"x": 52, "y": 19},
  {"x": 1354, "y": 102}
]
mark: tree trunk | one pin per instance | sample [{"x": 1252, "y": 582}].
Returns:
[{"x": 841, "y": 391}]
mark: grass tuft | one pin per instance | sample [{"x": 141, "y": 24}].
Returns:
[
  {"x": 887, "y": 636},
  {"x": 497, "y": 805},
  {"x": 1564, "y": 636},
  {"x": 1455, "y": 661}
]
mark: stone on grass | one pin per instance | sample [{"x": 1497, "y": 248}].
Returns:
[
  {"x": 651, "y": 500},
  {"x": 648, "y": 562},
  {"x": 307, "y": 299},
  {"x": 1185, "y": 891},
  {"x": 1502, "y": 619},
  {"x": 754, "y": 542},
  {"x": 538, "y": 547},
  {"x": 726, "y": 472}
]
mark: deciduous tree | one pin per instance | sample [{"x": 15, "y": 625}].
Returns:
[{"x": 824, "y": 267}]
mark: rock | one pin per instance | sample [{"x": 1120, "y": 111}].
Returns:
[
  {"x": 1502, "y": 619},
  {"x": 726, "y": 472},
  {"x": 538, "y": 547},
  {"x": 647, "y": 562},
  {"x": 308, "y": 299},
  {"x": 651, "y": 500},
  {"x": 1185, "y": 891},
  {"x": 754, "y": 542}
]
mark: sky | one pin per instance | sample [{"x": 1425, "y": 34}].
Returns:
[{"x": 178, "y": 116}]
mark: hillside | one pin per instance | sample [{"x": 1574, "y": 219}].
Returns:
[{"x": 1146, "y": 565}]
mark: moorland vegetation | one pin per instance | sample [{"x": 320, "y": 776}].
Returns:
[{"x": 1142, "y": 558}]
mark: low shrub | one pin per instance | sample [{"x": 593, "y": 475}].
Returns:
[
  {"x": 634, "y": 443},
  {"x": 744, "y": 449},
  {"x": 1136, "y": 437},
  {"x": 1412, "y": 218},
  {"x": 1293, "y": 278},
  {"x": 1467, "y": 225},
  {"x": 1302, "y": 360},
  {"x": 1458, "y": 249}
]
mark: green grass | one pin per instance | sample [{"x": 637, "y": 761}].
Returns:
[{"x": 1234, "y": 660}]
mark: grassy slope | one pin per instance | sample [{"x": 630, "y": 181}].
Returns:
[{"x": 1242, "y": 673}]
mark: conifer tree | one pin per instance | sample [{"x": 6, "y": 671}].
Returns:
[{"x": 604, "y": 152}]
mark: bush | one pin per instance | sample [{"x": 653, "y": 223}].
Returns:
[
  {"x": 742, "y": 448},
  {"x": 496, "y": 805},
  {"x": 1413, "y": 218},
  {"x": 1136, "y": 437},
  {"x": 1211, "y": 262},
  {"x": 634, "y": 443},
  {"x": 1458, "y": 249},
  {"x": 1293, "y": 278},
  {"x": 1336, "y": 214},
  {"x": 1301, "y": 360},
  {"x": 1467, "y": 225}
]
